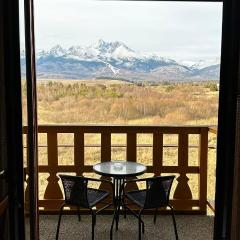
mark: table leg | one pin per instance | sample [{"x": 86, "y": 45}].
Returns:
[{"x": 119, "y": 199}]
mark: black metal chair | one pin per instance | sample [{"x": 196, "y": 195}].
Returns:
[
  {"x": 156, "y": 195},
  {"x": 78, "y": 194}
]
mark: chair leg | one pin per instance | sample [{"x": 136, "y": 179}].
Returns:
[
  {"x": 124, "y": 212},
  {"x": 112, "y": 225},
  {"x": 155, "y": 216},
  {"x": 140, "y": 225},
  {"x": 117, "y": 217},
  {"x": 124, "y": 207},
  {"x": 174, "y": 222},
  {"x": 93, "y": 223},
  {"x": 59, "y": 221},
  {"x": 79, "y": 216},
  {"x": 139, "y": 229},
  {"x": 143, "y": 227}
]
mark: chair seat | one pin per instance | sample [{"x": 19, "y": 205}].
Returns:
[
  {"x": 96, "y": 195},
  {"x": 138, "y": 197}
]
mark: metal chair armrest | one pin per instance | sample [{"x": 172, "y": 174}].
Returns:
[
  {"x": 102, "y": 180},
  {"x": 131, "y": 181}
]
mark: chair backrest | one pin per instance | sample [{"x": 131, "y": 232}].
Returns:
[
  {"x": 158, "y": 191},
  {"x": 75, "y": 190}
]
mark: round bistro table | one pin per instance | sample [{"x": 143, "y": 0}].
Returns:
[{"x": 119, "y": 171}]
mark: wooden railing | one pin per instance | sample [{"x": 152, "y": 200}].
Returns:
[
  {"x": 211, "y": 201},
  {"x": 182, "y": 197}
]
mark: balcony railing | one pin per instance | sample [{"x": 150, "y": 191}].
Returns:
[{"x": 186, "y": 197}]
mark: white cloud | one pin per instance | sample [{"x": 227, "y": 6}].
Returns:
[{"x": 178, "y": 30}]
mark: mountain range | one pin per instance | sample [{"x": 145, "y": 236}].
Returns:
[{"x": 116, "y": 60}]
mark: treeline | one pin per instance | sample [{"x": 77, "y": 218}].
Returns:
[{"x": 78, "y": 102}]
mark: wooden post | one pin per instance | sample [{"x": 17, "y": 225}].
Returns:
[
  {"x": 105, "y": 146},
  {"x": 79, "y": 152},
  {"x": 53, "y": 190},
  {"x": 131, "y": 147},
  {"x": 203, "y": 158},
  {"x": 105, "y": 156},
  {"x": 183, "y": 190},
  {"x": 157, "y": 153},
  {"x": 131, "y": 156}
]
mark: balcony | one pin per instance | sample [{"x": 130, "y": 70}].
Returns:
[{"x": 179, "y": 150}]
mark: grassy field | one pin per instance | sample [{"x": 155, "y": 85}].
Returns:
[
  {"x": 107, "y": 101},
  {"x": 116, "y": 102}
]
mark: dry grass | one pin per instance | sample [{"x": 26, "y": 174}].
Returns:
[
  {"x": 120, "y": 102},
  {"x": 108, "y": 101}
]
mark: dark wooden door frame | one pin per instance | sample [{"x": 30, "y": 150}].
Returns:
[
  {"x": 11, "y": 117},
  {"x": 32, "y": 136},
  {"x": 4, "y": 234},
  {"x": 228, "y": 126}
]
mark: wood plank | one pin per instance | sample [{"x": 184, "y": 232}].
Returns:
[
  {"x": 124, "y": 145},
  {"x": 203, "y": 157},
  {"x": 157, "y": 153},
  {"x": 175, "y": 169},
  {"x": 79, "y": 152},
  {"x": 183, "y": 150},
  {"x": 52, "y": 150},
  {"x": 105, "y": 146},
  {"x": 132, "y": 147},
  {"x": 53, "y": 190},
  {"x": 119, "y": 129},
  {"x": 183, "y": 190},
  {"x": 99, "y": 128},
  {"x": 64, "y": 168}
]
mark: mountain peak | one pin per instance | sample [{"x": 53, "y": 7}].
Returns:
[
  {"x": 100, "y": 42},
  {"x": 114, "y": 58},
  {"x": 109, "y": 47},
  {"x": 57, "y": 50},
  {"x": 200, "y": 64},
  {"x": 100, "y": 45}
]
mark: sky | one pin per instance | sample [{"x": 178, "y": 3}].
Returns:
[{"x": 178, "y": 30}]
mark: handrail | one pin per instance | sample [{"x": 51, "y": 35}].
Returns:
[
  {"x": 117, "y": 128},
  {"x": 124, "y": 145}
]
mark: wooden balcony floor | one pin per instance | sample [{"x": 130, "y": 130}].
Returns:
[{"x": 189, "y": 227}]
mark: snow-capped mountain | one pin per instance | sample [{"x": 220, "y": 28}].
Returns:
[
  {"x": 200, "y": 64},
  {"x": 116, "y": 60}
]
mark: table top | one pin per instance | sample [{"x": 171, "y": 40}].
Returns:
[{"x": 118, "y": 168}]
